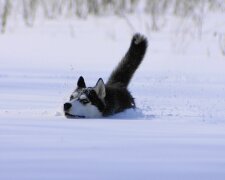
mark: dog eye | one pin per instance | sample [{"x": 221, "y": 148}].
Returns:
[
  {"x": 84, "y": 101},
  {"x": 71, "y": 97}
]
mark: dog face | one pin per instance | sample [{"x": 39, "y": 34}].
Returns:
[{"x": 86, "y": 102}]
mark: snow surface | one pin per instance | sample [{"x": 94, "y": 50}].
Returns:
[{"x": 177, "y": 132}]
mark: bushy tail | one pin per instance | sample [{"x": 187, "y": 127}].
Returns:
[{"x": 124, "y": 71}]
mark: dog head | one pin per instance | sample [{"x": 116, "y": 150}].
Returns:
[{"x": 86, "y": 102}]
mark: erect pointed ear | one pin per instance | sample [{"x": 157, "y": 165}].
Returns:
[
  {"x": 81, "y": 83},
  {"x": 100, "y": 88}
]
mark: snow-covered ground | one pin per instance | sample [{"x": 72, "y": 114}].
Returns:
[{"x": 177, "y": 132}]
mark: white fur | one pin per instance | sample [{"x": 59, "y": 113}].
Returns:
[
  {"x": 83, "y": 96},
  {"x": 138, "y": 39},
  {"x": 75, "y": 94},
  {"x": 87, "y": 110},
  {"x": 100, "y": 89}
]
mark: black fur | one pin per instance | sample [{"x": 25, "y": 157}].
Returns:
[
  {"x": 95, "y": 100},
  {"x": 117, "y": 100},
  {"x": 81, "y": 83},
  {"x": 124, "y": 71}
]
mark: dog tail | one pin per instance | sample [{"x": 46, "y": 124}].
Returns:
[{"x": 123, "y": 73}]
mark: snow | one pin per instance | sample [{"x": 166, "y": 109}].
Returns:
[
  {"x": 177, "y": 132},
  {"x": 55, "y": 148}
]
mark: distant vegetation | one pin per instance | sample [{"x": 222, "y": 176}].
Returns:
[{"x": 30, "y": 10}]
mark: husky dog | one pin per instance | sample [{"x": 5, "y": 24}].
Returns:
[{"x": 106, "y": 99}]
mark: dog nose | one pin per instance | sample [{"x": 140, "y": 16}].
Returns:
[{"x": 67, "y": 106}]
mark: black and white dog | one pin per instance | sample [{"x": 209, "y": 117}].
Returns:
[{"x": 112, "y": 97}]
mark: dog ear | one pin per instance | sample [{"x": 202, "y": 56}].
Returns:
[
  {"x": 100, "y": 88},
  {"x": 81, "y": 83}
]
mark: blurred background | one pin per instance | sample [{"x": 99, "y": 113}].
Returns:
[
  {"x": 157, "y": 11},
  {"x": 183, "y": 35}
]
